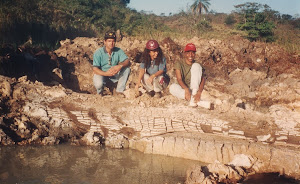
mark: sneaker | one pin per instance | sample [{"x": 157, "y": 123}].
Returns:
[
  {"x": 137, "y": 94},
  {"x": 150, "y": 93},
  {"x": 157, "y": 95},
  {"x": 204, "y": 104},
  {"x": 192, "y": 102},
  {"x": 100, "y": 94}
]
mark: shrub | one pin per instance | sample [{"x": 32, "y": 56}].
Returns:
[
  {"x": 255, "y": 22},
  {"x": 203, "y": 25},
  {"x": 230, "y": 20}
]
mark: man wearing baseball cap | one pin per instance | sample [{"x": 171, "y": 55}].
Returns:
[
  {"x": 190, "y": 79},
  {"x": 110, "y": 63}
]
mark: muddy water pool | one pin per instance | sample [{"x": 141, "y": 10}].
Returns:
[{"x": 65, "y": 164}]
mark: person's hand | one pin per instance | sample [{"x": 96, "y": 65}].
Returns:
[
  {"x": 114, "y": 70},
  {"x": 197, "y": 97},
  {"x": 150, "y": 79},
  {"x": 187, "y": 94},
  {"x": 110, "y": 72},
  {"x": 137, "y": 92}
]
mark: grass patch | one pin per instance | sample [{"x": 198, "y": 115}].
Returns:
[{"x": 288, "y": 37}]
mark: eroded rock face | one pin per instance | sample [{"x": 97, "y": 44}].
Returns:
[
  {"x": 212, "y": 148},
  {"x": 256, "y": 106},
  {"x": 215, "y": 173},
  {"x": 240, "y": 168}
]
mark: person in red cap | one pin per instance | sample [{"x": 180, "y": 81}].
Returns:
[
  {"x": 189, "y": 74},
  {"x": 152, "y": 72}
]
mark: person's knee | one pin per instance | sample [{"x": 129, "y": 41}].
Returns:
[
  {"x": 196, "y": 70},
  {"x": 173, "y": 88},
  {"x": 158, "y": 87},
  {"x": 98, "y": 85},
  {"x": 196, "y": 66},
  {"x": 126, "y": 71},
  {"x": 98, "y": 81}
]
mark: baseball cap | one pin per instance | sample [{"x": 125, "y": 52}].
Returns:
[
  {"x": 190, "y": 47},
  {"x": 110, "y": 35}
]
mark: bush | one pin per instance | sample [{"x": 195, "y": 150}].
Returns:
[
  {"x": 230, "y": 20},
  {"x": 296, "y": 23},
  {"x": 48, "y": 22},
  {"x": 255, "y": 22},
  {"x": 203, "y": 25}
]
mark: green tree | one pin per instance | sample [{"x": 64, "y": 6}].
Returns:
[
  {"x": 47, "y": 22},
  {"x": 270, "y": 14},
  {"x": 296, "y": 23},
  {"x": 286, "y": 17},
  {"x": 254, "y": 19},
  {"x": 199, "y": 6},
  {"x": 230, "y": 20}
]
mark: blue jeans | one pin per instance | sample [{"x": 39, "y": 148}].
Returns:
[{"x": 121, "y": 78}]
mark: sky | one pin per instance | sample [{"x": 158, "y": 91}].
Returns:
[{"x": 291, "y": 7}]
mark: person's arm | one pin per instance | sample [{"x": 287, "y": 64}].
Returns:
[
  {"x": 97, "y": 58},
  {"x": 115, "y": 69},
  {"x": 98, "y": 71},
  {"x": 161, "y": 68},
  {"x": 141, "y": 74},
  {"x": 183, "y": 85},
  {"x": 199, "y": 92},
  {"x": 125, "y": 63},
  {"x": 151, "y": 78}
]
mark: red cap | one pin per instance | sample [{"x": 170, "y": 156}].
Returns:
[
  {"x": 190, "y": 47},
  {"x": 152, "y": 45}
]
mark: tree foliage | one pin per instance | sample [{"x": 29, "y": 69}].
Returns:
[
  {"x": 255, "y": 19},
  {"x": 296, "y": 23},
  {"x": 47, "y": 22},
  {"x": 199, "y": 6},
  {"x": 230, "y": 20}
]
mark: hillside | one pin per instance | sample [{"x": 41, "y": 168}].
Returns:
[{"x": 45, "y": 23}]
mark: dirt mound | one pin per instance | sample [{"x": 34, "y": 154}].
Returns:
[
  {"x": 71, "y": 64},
  {"x": 35, "y": 63},
  {"x": 219, "y": 58},
  {"x": 222, "y": 57}
]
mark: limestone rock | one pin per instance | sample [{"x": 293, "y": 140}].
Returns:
[
  {"x": 92, "y": 138},
  {"x": 242, "y": 160},
  {"x": 55, "y": 93},
  {"x": 215, "y": 173},
  {"x": 49, "y": 140},
  {"x": 5, "y": 139},
  {"x": 117, "y": 141},
  {"x": 5, "y": 88}
]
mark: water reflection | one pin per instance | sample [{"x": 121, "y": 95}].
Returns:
[
  {"x": 272, "y": 178},
  {"x": 88, "y": 165}
]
